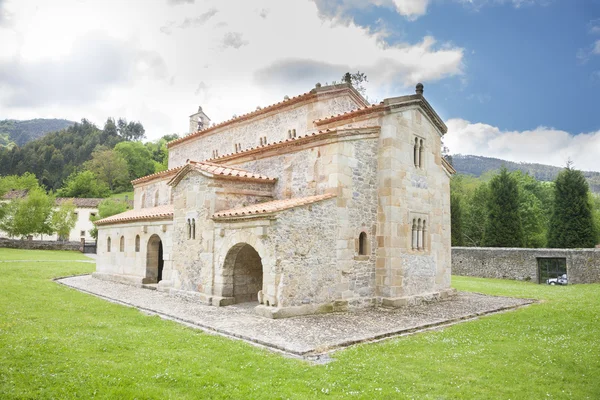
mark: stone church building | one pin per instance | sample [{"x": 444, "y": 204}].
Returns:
[{"x": 318, "y": 203}]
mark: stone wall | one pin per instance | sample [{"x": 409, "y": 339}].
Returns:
[
  {"x": 583, "y": 265},
  {"x": 408, "y": 192},
  {"x": 152, "y": 194},
  {"x": 130, "y": 264},
  {"x": 39, "y": 244},
  {"x": 274, "y": 126}
]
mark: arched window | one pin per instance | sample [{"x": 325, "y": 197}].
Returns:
[
  {"x": 108, "y": 245},
  {"x": 416, "y": 152},
  {"x": 421, "y": 147},
  {"x": 137, "y": 243},
  {"x": 122, "y": 244},
  {"x": 423, "y": 244},
  {"x": 362, "y": 244},
  {"x": 156, "y": 198},
  {"x": 193, "y": 228},
  {"x": 143, "y": 203},
  {"x": 414, "y": 233},
  {"x": 419, "y": 234},
  {"x": 189, "y": 229}
]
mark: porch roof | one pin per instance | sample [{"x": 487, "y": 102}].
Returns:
[
  {"x": 269, "y": 207},
  {"x": 144, "y": 214}
]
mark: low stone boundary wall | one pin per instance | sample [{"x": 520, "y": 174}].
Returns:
[
  {"x": 583, "y": 265},
  {"x": 39, "y": 244}
]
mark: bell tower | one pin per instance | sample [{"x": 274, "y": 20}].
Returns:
[{"x": 199, "y": 121}]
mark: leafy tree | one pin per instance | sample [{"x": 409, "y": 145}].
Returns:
[
  {"x": 475, "y": 220},
  {"x": 535, "y": 205},
  {"x": 504, "y": 227},
  {"x": 130, "y": 130},
  {"x": 110, "y": 128},
  {"x": 571, "y": 224},
  {"x": 18, "y": 182},
  {"x": 83, "y": 184},
  {"x": 595, "y": 203},
  {"x": 456, "y": 220},
  {"x": 64, "y": 219},
  {"x": 107, "y": 208},
  {"x": 138, "y": 157},
  {"x": 110, "y": 168},
  {"x": 29, "y": 216},
  {"x": 357, "y": 80},
  {"x": 55, "y": 156},
  {"x": 160, "y": 152}
]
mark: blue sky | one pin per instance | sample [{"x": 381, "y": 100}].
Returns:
[
  {"x": 512, "y": 79},
  {"x": 521, "y": 63}
]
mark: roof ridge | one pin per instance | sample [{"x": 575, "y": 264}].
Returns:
[
  {"x": 272, "y": 206},
  {"x": 155, "y": 175},
  {"x": 162, "y": 211},
  {"x": 263, "y": 110}
]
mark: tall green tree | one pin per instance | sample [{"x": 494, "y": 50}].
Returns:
[
  {"x": 83, "y": 184},
  {"x": 110, "y": 167},
  {"x": 572, "y": 224},
  {"x": 476, "y": 215},
  {"x": 138, "y": 158},
  {"x": 18, "y": 182},
  {"x": 29, "y": 216},
  {"x": 504, "y": 227},
  {"x": 64, "y": 219},
  {"x": 456, "y": 220}
]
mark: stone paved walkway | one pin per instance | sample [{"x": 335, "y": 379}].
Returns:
[{"x": 306, "y": 336}]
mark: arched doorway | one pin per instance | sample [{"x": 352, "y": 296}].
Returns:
[
  {"x": 243, "y": 273},
  {"x": 154, "y": 260}
]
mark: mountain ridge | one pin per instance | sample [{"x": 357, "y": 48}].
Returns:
[
  {"x": 19, "y": 132},
  {"x": 478, "y": 165}
]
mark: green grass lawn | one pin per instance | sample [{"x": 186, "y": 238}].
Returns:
[{"x": 56, "y": 342}]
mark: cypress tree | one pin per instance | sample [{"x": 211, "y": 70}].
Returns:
[
  {"x": 504, "y": 220},
  {"x": 571, "y": 224},
  {"x": 456, "y": 220}
]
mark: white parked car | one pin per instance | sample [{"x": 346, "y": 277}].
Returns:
[{"x": 561, "y": 280}]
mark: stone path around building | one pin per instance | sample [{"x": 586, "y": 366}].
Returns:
[{"x": 310, "y": 337}]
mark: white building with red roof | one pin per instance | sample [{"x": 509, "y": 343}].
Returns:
[{"x": 318, "y": 203}]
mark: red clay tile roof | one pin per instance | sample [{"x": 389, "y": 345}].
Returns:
[
  {"x": 449, "y": 167},
  {"x": 15, "y": 194},
  {"x": 351, "y": 114},
  {"x": 298, "y": 139},
  {"x": 80, "y": 202},
  {"x": 156, "y": 175},
  {"x": 220, "y": 171},
  {"x": 287, "y": 102},
  {"x": 143, "y": 214},
  {"x": 270, "y": 206}
]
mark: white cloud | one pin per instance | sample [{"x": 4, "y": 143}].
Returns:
[
  {"x": 541, "y": 145},
  {"x": 218, "y": 61},
  {"x": 411, "y": 9},
  {"x": 596, "y": 48}
]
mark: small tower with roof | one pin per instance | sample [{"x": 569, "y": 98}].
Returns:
[{"x": 199, "y": 121}]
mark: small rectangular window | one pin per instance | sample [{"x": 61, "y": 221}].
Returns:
[
  {"x": 551, "y": 268},
  {"x": 82, "y": 233}
]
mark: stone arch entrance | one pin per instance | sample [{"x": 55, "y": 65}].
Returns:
[
  {"x": 243, "y": 273},
  {"x": 154, "y": 260}
]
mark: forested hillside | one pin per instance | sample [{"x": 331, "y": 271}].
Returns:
[
  {"x": 477, "y": 165},
  {"x": 86, "y": 161},
  {"x": 20, "y": 132},
  {"x": 55, "y": 156}
]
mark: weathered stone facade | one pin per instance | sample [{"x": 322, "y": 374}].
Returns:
[
  {"x": 315, "y": 204},
  {"x": 583, "y": 265}
]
